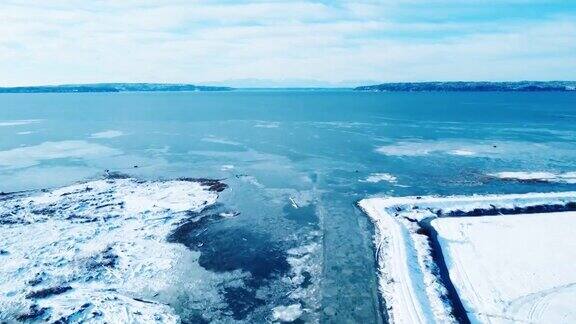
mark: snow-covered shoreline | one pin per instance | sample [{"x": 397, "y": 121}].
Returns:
[
  {"x": 409, "y": 279},
  {"x": 410, "y": 290},
  {"x": 95, "y": 250}
]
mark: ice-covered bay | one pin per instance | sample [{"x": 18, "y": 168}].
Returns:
[{"x": 316, "y": 147}]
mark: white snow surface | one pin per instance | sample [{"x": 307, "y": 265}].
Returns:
[
  {"x": 567, "y": 177},
  {"x": 408, "y": 279},
  {"x": 514, "y": 268},
  {"x": 104, "y": 241}
]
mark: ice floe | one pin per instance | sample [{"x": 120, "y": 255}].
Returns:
[
  {"x": 107, "y": 134},
  {"x": 27, "y": 156},
  {"x": 567, "y": 177},
  {"x": 220, "y": 140},
  {"x": 462, "y": 152},
  {"x": 378, "y": 177},
  {"x": 305, "y": 268},
  {"x": 227, "y": 167},
  {"x": 411, "y": 278},
  {"x": 287, "y": 313},
  {"x": 264, "y": 124},
  {"x": 466, "y": 148},
  {"x": 18, "y": 122},
  {"x": 94, "y": 251}
]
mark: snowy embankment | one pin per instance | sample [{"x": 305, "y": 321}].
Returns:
[
  {"x": 95, "y": 250},
  {"x": 411, "y": 282}
]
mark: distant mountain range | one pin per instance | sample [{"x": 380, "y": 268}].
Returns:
[
  {"x": 525, "y": 86},
  {"x": 112, "y": 87}
]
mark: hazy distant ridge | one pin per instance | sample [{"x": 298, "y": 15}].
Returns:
[
  {"x": 112, "y": 87},
  {"x": 527, "y": 86}
]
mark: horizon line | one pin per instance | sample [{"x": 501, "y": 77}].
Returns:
[{"x": 222, "y": 84}]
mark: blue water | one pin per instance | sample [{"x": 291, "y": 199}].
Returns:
[{"x": 316, "y": 147}]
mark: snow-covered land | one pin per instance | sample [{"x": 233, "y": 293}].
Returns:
[
  {"x": 411, "y": 280},
  {"x": 513, "y": 268},
  {"x": 94, "y": 251}
]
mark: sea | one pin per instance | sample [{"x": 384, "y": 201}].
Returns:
[{"x": 296, "y": 162}]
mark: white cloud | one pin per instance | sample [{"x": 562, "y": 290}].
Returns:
[{"x": 200, "y": 41}]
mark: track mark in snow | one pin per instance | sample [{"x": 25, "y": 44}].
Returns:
[{"x": 538, "y": 302}]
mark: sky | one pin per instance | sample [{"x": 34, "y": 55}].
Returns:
[{"x": 294, "y": 43}]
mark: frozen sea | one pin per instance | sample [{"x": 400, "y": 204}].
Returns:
[{"x": 294, "y": 246}]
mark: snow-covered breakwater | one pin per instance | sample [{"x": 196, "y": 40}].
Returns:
[
  {"x": 95, "y": 250},
  {"x": 415, "y": 289}
]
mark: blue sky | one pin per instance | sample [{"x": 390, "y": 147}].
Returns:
[{"x": 285, "y": 42}]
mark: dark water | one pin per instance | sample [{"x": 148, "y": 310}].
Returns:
[{"x": 314, "y": 147}]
